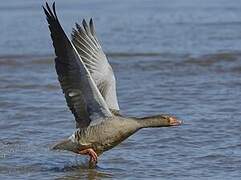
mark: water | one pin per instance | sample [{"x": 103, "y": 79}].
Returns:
[{"x": 177, "y": 57}]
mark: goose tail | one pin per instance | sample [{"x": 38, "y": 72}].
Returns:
[{"x": 66, "y": 144}]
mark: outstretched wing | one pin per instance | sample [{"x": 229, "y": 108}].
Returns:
[
  {"x": 81, "y": 93},
  {"x": 86, "y": 43}
]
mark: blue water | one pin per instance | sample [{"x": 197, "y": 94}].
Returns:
[{"x": 176, "y": 57}]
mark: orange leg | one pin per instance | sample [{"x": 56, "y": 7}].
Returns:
[{"x": 90, "y": 152}]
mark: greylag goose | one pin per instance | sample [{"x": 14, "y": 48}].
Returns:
[{"x": 89, "y": 86}]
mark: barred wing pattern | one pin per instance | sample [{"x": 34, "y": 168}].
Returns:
[
  {"x": 85, "y": 40},
  {"x": 81, "y": 92}
]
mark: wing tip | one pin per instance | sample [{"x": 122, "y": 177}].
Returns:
[
  {"x": 92, "y": 27},
  {"x": 84, "y": 22},
  {"x": 91, "y": 21},
  {"x": 48, "y": 12}
]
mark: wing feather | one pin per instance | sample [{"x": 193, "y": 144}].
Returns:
[
  {"x": 81, "y": 93},
  {"x": 85, "y": 40}
]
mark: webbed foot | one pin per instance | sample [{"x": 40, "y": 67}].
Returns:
[{"x": 91, "y": 153}]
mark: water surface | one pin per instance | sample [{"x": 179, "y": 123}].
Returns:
[{"x": 179, "y": 57}]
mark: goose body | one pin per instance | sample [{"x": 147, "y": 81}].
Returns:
[
  {"x": 89, "y": 86},
  {"x": 111, "y": 132}
]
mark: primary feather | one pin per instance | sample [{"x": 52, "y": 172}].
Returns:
[
  {"x": 85, "y": 40},
  {"x": 81, "y": 93}
]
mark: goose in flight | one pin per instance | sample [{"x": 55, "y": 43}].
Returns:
[{"x": 89, "y": 86}]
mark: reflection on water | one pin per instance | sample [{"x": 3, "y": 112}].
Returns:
[
  {"x": 84, "y": 171},
  {"x": 181, "y": 58}
]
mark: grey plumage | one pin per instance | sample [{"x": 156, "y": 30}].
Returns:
[
  {"x": 81, "y": 93},
  {"x": 88, "y": 47},
  {"x": 88, "y": 83}
]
